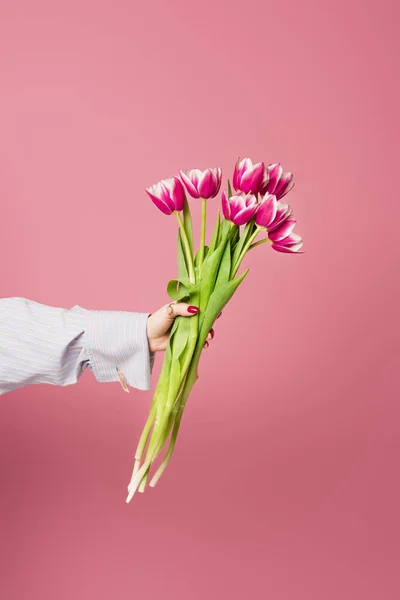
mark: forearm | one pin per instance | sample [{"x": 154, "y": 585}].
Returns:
[{"x": 44, "y": 344}]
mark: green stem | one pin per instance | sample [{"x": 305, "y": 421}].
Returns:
[
  {"x": 243, "y": 252},
  {"x": 260, "y": 242},
  {"x": 162, "y": 422},
  {"x": 178, "y": 412},
  {"x": 171, "y": 418},
  {"x": 144, "y": 481},
  {"x": 203, "y": 231},
  {"x": 189, "y": 257}
]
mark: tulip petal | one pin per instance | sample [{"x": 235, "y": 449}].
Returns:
[
  {"x": 275, "y": 173},
  {"x": 236, "y": 204},
  {"x": 160, "y": 204},
  {"x": 293, "y": 238},
  {"x": 266, "y": 211},
  {"x": 283, "y": 231},
  {"x": 244, "y": 215},
  {"x": 265, "y": 180},
  {"x": 252, "y": 179},
  {"x": 235, "y": 178},
  {"x": 243, "y": 167},
  {"x": 226, "y": 206},
  {"x": 206, "y": 184},
  {"x": 178, "y": 194},
  {"x": 187, "y": 180},
  {"x": 174, "y": 194},
  {"x": 284, "y": 186},
  {"x": 218, "y": 176},
  {"x": 292, "y": 243},
  {"x": 242, "y": 208},
  {"x": 283, "y": 212},
  {"x": 294, "y": 248}
]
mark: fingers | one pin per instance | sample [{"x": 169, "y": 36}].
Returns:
[
  {"x": 182, "y": 309},
  {"x": 187, "y": 310}
]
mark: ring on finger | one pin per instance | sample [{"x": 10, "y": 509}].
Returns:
[{"x": 170, "y": 310}]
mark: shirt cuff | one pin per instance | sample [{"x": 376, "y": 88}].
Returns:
[{"x": 118, "y": 340}]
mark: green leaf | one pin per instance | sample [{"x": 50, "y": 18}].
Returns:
[
  {"x": 209, "y": 272},
  {"x": 182, "y": 266},
  {"x": 181, "y": 337},
  {"x": 177, "y": 290},
  {"x": 196, "y": 260},
  {"x": 235, "y": 235},
  {"x": 187, "y": 224},
  {"x": 226, "y": 227},
  {"x": 229, "y": 189},
  {"x": 218, "y": 299},
  {"x": 215, "y": 235}
]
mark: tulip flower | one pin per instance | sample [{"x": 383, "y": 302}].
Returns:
[
  {"x": 291, "y": 243},
  {"x": 279, "y": 183},
  {"x": 202, "y": 184},
  {"x": 249, "y": 178},
  {"x": 274, "y": 216},
  {"x": 168, "y": 195},
  {"x": 271, "y": 213},
  {"x": 208, "y": 280},
  {"x": 239, "y": 209}
]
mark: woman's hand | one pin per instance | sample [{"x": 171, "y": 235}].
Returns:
[{"x": 160, "y": 323}]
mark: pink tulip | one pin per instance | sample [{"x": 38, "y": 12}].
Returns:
[
  {"x": 239, "y": 209},
  {"x": 291, "y": 243},
  {"x": 282, "y": 232},
  {"x": 168, "y": 195},
  {"x": 271, "y": 213},
  {"x": 275, "y": 217},
  {"x": 202, "y": 184},
  {"x": 279, "y": 183},
  {"x": 249, "y": 178}
]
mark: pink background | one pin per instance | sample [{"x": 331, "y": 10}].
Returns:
[{"x": 285, "y": 481}]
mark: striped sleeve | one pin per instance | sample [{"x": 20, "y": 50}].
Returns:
[
  {"x": 45, "y": 344},
  {"x": 118, "y": 340}
]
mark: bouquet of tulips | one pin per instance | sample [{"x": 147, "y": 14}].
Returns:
[{"x": 208, "y": 279}]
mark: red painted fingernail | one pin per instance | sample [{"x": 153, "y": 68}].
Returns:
[
  {"x": 212, "y": 333},
  {"x": 193, "y": 309},
  {"x": 206, "y": 344},
  {"x": 219, "y": 315}
]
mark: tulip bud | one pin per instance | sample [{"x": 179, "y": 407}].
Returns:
[
  {"x": 249, "y": 178},
  {"x": 279, "y": 183},
  {"x": 239, "y": 209},
  {"x": 202, "y": 184},
  {"x": 168, "y": 195}
]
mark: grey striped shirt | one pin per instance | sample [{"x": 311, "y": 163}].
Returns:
[{"x": 45, "y": 344}]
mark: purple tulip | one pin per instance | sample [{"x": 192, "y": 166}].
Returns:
[
  {"x": 168, "y": 195},
  {"x": 239, "y": 209},
  {"x": 291, "y": 243},
  {"x": 202, "y": 184},
  {"x": 279, "y": 183},
  {"x": 249, "y": 178},
  {"x": 271, "y": 213}
]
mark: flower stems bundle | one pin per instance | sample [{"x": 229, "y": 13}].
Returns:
[{"x": 208, "y": 279}]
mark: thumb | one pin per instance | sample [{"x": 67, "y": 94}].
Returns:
[{"x": 183, "y": 309}]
